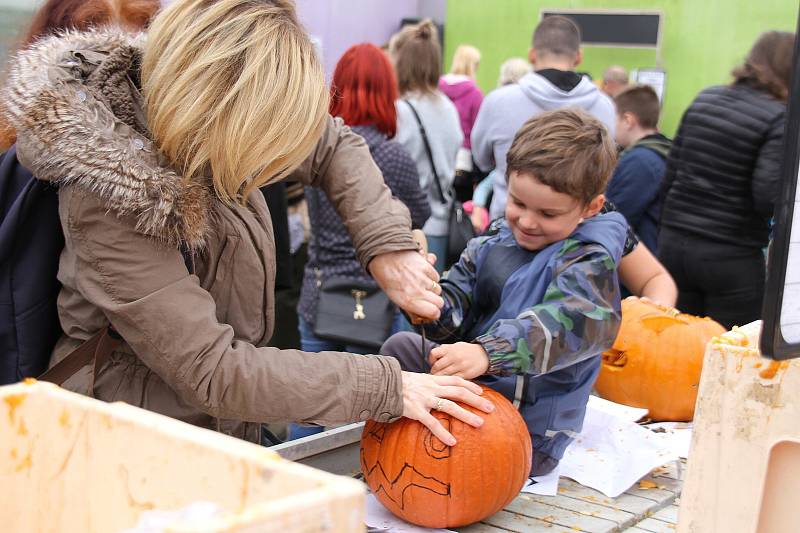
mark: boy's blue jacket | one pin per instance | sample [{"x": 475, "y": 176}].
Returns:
[{"x": 544, "y": 317}]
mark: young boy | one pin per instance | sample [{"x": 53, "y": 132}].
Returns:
[
  {"x": 536, "y": 298},
  {"x": 634, "y": 186}
]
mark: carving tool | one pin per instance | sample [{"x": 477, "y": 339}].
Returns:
[{"x": 422, "y": 243}]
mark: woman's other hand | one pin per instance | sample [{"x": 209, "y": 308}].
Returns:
[
  {"x": 423, "y": 393},
  {"x": 409, "y": 280}
]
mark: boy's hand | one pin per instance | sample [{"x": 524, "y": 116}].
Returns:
[{"x": 462, "y": 359}]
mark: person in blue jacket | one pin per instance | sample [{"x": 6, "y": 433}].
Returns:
[
  {"x": 532, "y": 304},
  {"x": 634, "y": 187}
]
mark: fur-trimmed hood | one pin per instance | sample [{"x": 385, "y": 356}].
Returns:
[{"x": 75, "y": 103}]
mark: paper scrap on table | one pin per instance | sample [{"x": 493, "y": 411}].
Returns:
[
  {"x": 546, "y": 485},
  {"x": 381, "y": 519},
  {"x": 632, "y": 414},
  {"x": 612, "y": 452},
  {"x": 676, "y": 435}
]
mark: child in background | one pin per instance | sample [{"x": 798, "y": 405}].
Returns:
[
  {"x": 533, "y": 303},
  {"x": 634, "y": 186}
]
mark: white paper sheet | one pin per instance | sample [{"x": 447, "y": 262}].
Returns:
[
  {"x": 380, "y": 518},
  {"x": 612, "y": 452},
  {"x": 543, "y": 485},
  {"x": 631, "y": 414},
  {"x": 676, "y": 435}
]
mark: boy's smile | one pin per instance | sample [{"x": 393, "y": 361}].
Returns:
[{"x": 538, "y": 215}]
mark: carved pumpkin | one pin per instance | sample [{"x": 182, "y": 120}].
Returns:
[
  {"x": 656, "y": 360},
  {"x": 423, "y": 481}
]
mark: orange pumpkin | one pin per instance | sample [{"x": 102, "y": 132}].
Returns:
[
  {"x": 425, "y": 482},
  {"x": 656, "y": 360}
]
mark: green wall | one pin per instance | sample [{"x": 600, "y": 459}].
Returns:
[{"x": 702, "y": 40}]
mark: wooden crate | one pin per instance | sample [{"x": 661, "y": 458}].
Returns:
[{"x": 70, "y": 463}]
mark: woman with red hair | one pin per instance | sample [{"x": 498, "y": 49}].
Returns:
[{"x": 363, "y": 94}]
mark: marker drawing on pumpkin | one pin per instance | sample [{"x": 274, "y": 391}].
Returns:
[
  {"x": 408, "y": 477},
  {"x": 435, "y": 448}
]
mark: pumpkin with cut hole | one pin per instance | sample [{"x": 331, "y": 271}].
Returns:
[
  {"x": 656, "y": 360},
  {"x": 423, "y": 481}
]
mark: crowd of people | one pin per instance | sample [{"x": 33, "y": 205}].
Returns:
[{"x": 163, "y": 156}]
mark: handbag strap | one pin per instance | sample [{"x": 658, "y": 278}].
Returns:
[
  {"x": 96, "y": 350},
  {"x": 427, "y": 144}
]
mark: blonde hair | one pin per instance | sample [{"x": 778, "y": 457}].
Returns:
[
  {"x": 234, "y": 89},
  {"x": 417, "y": 57},
  {"x": 466, "y": 61},
  {"x": 512, "y": 70}
]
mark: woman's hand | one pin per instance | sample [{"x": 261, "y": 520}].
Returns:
[
  {"x": 409, "y": 280},
  {"x": 424, "y": 392}
]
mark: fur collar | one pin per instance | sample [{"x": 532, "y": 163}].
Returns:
[{"x": 75, "y": 104}]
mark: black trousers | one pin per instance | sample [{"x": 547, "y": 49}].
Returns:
[{"x": 720, "y": 280}]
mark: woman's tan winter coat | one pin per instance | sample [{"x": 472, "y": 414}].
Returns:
[{"x": 194, "y": 343}]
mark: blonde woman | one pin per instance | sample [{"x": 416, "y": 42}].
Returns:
[
  {"x": 460, "y": 87},
  {"x": 159, "y": 147},
  {"x": 512, "y": 70},
  {"x": 427, "y": 125}
]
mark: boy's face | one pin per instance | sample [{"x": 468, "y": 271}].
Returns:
[
  {"x": 538, "y": 215},
  {"x": 622, "y": 133}
]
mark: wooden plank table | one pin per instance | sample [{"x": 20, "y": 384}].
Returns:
[{"x": 649, "y": 506}]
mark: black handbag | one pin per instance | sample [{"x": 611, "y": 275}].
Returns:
[
  {"x": 351, "y": 311},
  {"x": 459, "y": 227}
]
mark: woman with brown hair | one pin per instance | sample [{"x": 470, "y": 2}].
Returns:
[
  {"x": 56, "y": 16},
  {"x": 722, "y": 180},
  {"x": 158, "y": 148},
  {"x": 428, "y": 125}
]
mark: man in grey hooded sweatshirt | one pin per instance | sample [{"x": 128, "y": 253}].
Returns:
[{"x": 553, "y": 84}]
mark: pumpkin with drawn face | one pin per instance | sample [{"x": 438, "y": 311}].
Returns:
[
  {"x": 656, "y": 360},
  {"x": 423, "y": 481}
]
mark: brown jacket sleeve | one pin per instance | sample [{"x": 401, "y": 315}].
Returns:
[
  {"x": 169, "y": 321},
  {"x": 342, "y": 166}
]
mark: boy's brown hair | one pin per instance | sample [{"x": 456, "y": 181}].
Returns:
[
  {"x": 566, "y": 149},
  {"x": 642, "y": 102}
]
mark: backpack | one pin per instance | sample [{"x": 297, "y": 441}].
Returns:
[{"x": 31, "y": 241}]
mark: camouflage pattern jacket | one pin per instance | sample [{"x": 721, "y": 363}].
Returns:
[
  {"x": 535, "y": 312},
  {"x": 544, "y": 318}
]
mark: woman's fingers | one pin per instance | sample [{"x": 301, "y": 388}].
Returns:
[
  {"x": 456, "y": 411},
  {"x": 409, "y": 281},
  {"x": 464, "y": 396},
  {"x": 436, "y": 427},
  {"x": 452, "y": 381},
  {"x": 424, "y": 308}
]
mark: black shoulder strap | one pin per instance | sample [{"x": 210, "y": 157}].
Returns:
[
  {"x": 428, "y": 150},
  {"x": 188, "y": 258}
]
